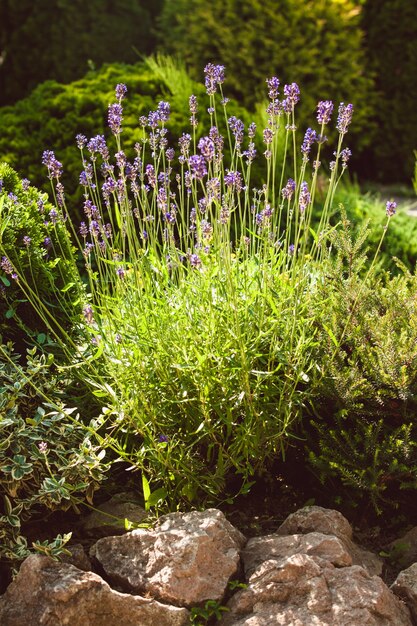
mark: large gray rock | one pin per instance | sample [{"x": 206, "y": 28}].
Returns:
[
  {"x": 304, "y": 590},
  {"x": 312, "y": 519},
  {"x": 403, "y": 551},
  {"x": 48, "y": 593},
  {"x": 405, "y": 586},
  {"x": 186, "y": 559}
]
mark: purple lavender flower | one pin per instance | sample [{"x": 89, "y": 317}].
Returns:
[
  {"x": 47, "y": 242},
  {"x": 162, "y": 439},
  {"x": 81, "y": 141},
  {"x": 83, "y": 229},
  {"x": 53, "y": 216},
  {"x": 206, "y": 230},
  {"x": 198, "y": 166},
  {"x": 170, "y": 154},
  {"x": 324, "y": 111},
  {"x": 54, "y": 166},
  {"x": 291, "y": 249},
  {"x": 274, "y": 108},
  {"x": 216, "y": 137},
  {"x": 98, "y": 145},
  {"x": 164, "y": 111},
  {"x": 184, "y": 144},
  {"x": 94, "y": 228},
  {"x": 273, "y": 86},
  {"x": 150, "y": 173},
  {"x": 120, "y": 272},
  {"x": 268, "y": 136},
  {"x": 292, "y": 94},
  {"x": 251, "y": 130},
  {"x": 88, "y": 314},
  {"x": 120, "y": 91},
  {"x": 25, "y": 184},
  {"x": 27, "y": 241},
  {"x": 250, "y": 153},
  {"x": 115, "y": 117},
  {"x": 344, "y": 117},
  {"x": 43, "y": 447},
  {"x": 6, "y": 266},
  {"x": 391, "y": 208},
  {"x": 1, "y": 185},
  {"x": 237, "y": 127},
  {"x": 192, "y": 101},
  {"x": 289, "y": 189},
  {"x": 345, "y": 156},
  {"x": 309, "y": 138},
  {"x": 305, "y": 197},
  {"x": 233, "y": 180},
  {"x": 214, "y": 75},
  {"x": 195, "y": 261},
  {"x": 121, "y": 159},
  {"x": 206, "y": 147}
]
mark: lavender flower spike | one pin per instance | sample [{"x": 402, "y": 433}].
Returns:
[
  {"x": 344, "y": 117},
  {"x": 391, "y": 208},
  {"x": 324, "y": 111},
  {"x": 214, "y": 76}
]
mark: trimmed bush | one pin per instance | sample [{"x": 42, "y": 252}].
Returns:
[{"x": 315, "y": 43}]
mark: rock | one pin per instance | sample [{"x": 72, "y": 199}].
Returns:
[
  {"x": 403, "y": 551},
  {"x": 316, "y": 519},
  {"x": 405, "y": 586},
  {"x": 48, "y": 593},
  {"x": 186, "y": 559},
  {"x": 331, "y": 522},
  {"x": 304, "y": 590},
  {"x": 274, "y": 547},
  {"x": 109, "y": 518},
  {"x": 78, "y": 557}
]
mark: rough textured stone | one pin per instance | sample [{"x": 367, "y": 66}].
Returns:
[
  {"x": 330, "y": 522},
  {"x": 78, "y": 557},
  {"x": 48, "y": 593},
  {"x": 404, "y": 549},
  {"x": 109, "y": 518},
  {"x": 405, "y": 586},
  {"x": 260, "y": 549},
  {"x": 316, "y": 519},
  {"x": 304, "y": 590},
  {"x": 186, "y": 559}
]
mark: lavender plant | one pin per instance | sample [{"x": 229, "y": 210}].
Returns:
[{"x": 198, "y": 323}]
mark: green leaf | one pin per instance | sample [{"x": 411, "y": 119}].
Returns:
[
  {"x": 67, "y": 287},
  {"x": 41, "y": 338},
  {"x": 146, "y": 490},
  {"x": 157, "y": 496},
  {"x": 10, "y": 313},
  {"x": 5, "y": 281}
]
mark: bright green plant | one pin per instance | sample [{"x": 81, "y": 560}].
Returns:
[
  {"x": 199, "y": 325},
  {"x": 37, "y": 245},
  {"x": 211, "y": 613},
  {"x": 363, "y": 433},
  {"x": 49, "y": 460}
]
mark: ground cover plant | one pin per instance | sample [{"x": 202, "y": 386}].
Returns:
[{"x": 205, "y": 314}]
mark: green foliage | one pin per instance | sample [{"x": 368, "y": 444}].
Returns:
[
  {"x": 415, "y": 173},
  {"x": 390, "y": 158},
  {"x": 48, "y": 458},
  {"x": 59, "y": 39},
  {"x": 316, "y": 44},
  {"x": 401, "y": 239},
  {"x": 41, "y": 269},
  {"x": 209, "y": 614},
  {"x": 53, "y": 114},
  {"x": 365, "y": 434}
]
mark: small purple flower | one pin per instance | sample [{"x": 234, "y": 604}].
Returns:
[
  {"x": 344, "y": 117},
  {"x": 25, "y": 184},
  {"x": 250, "y": 153},
  {"x": 164, "y": 111},
  {"x": 95, "y": 228},
  {"x": 98, "y": 145},
  {"x": 268, "y": 136},
  {"x": 345, "y": 156},
  {"x": 53, "y": 216},
  {"x": 47, "y": 242},
  {"x": 192, "y": 101},
  {"x": 120, "y": 272},
  {"x": 184, "y": 144},
  {"x": 1, "y": 185},
  {"x": 292, "y": 94},
  {"x": 237, "y": 127},
  {"x": 88, "y": 314},
  {"x": 120, "y": 91},
  {"x": 115, "y": 117},
  {"x": 6, "y": 266},
  {"x": 324, "y": 111},
  {"x": 251, "y": 130},
  {"x": 309, "y": 138},
  {"x": 391, "y": 208},
  {"x": 195, "y": 261},
  {"x": 233, "y": 180},
  {"x": 206, "y": 147},
  {"x": 273, "y": 86},
  {"x": 198, "y": 166},
  {"x": 305, "y": 197},
  {"x": 291, "y": 249},
  {"x": 54, "y": 166},
  {"x": 214, "y": 75},
  {"x": 83, "y": 229},
  {"x": 27, "y": 241},
  {"x": 170, "y": 154},
  {"x": 150, "y": 173},
  {"x": 81, "y": 141},
  {"x": 289, "y": 189},
  {"x": 162, "y": 439}
]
